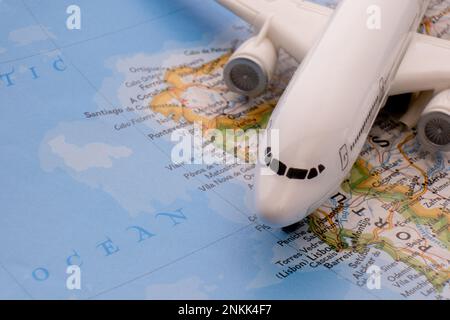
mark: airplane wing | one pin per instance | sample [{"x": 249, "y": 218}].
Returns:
[
  {"x": 426, "y": 66},
  {"x": 295, "y": 25}
]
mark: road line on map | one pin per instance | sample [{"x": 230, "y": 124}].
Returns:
[{"x": 16, "y": 281}]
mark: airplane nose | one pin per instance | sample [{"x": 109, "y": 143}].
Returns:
[
  {"x": 275, "y": 203},
  {"x": 275, "y": 215}
]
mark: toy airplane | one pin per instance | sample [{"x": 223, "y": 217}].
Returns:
[{"x": 353, "y": 58}]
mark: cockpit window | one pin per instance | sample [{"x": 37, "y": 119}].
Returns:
[
  {"x": 292, "y": 173},
  {"x": 313, "y": 173},
  {"x": 321, "y": 168},
  {"x": 268, "y": 156},
  {"x": 299, "y": 174},
  {"x": 278, "y": 167}
]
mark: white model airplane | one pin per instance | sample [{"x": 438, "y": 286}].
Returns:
[{"x": 350, "y": 64}]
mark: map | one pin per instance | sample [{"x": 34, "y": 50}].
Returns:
[{"x": 88, "y": 114}]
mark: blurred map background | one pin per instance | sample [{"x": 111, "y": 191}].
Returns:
[{"x": 87, "y": 178}]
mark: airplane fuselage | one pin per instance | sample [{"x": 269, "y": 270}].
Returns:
[{"x": 327, "y": 111}]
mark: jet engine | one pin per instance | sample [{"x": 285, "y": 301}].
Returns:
[
  {"x": 434, "y": 124},
  {"x": 251, "y": 67}
]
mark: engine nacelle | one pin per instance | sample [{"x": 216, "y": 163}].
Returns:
[
  {"x": 251, "y": 67},
  {"x": 434, "y": 124}
]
